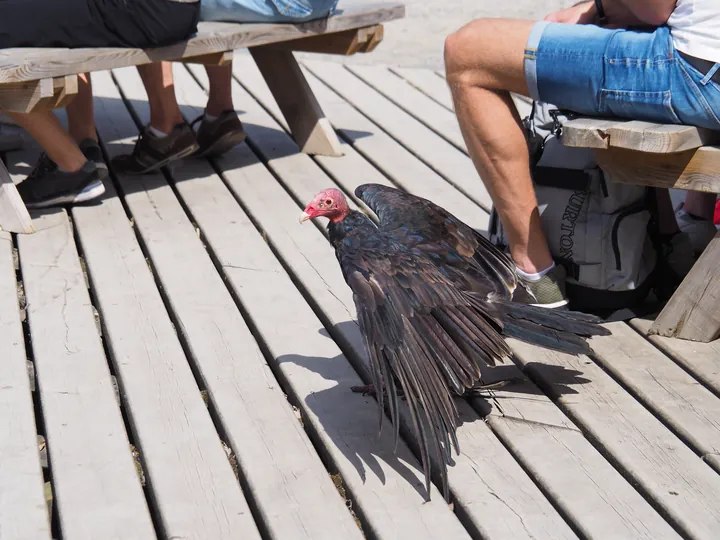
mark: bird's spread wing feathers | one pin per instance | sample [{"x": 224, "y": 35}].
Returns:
[{"x": 426, "y": 335}]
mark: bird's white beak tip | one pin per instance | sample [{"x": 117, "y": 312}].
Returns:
[{"x": 304, "y": 217}]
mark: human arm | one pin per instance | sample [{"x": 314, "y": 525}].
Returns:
[{"x": 619, "y": 13}]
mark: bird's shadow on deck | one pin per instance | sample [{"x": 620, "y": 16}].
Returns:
[{"x": 379, "y": 451}]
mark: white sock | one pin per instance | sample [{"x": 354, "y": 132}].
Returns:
[
  {"x": 534, "y": 277},
  {"x": 159, "y": 134},
  {"x": 210, "y": 117}
]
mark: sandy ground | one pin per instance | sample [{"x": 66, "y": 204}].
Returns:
[{"x": 417, "y": 40}]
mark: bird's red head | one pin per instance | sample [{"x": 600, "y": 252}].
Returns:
[{"x": 329, "y": 203}]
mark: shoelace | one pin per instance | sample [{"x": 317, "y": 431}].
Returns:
[{"x": 43, "y": 166}]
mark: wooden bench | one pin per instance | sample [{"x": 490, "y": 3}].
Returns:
[
  {"x": 665, "y": 156},
  {"x": 42, "y": 79}
]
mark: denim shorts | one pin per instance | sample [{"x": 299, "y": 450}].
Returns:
[
  {"x": 622, "y": 73},
  {"x": 266, "y": 11}
]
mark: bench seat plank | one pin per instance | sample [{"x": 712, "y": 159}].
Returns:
[{"x": 17, "y": 65}]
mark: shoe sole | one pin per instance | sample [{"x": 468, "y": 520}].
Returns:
[
  {"x": 189, "y": 151},
  {"x": 223, "y": 144},
  {"x": 89, "y": 193}
]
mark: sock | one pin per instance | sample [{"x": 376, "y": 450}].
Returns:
[
  {"x": 210, "y": 117},
  {"x": 534, "y": 277},
  {"x": 159, "y": 134}
]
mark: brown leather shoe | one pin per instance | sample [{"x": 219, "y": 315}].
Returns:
[
  {"x": 152, "y": 152},
  {"x": 216, "y": 137}
]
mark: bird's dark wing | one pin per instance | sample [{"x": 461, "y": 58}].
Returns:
[
  {"x": 423, "y": 332},
  {"x": 423, "y": 225}
]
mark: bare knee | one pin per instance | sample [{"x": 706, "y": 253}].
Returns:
[{"x": 464, "y": 58}]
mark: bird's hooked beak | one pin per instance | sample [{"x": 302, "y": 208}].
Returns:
[{"x": 307, "y": 214}]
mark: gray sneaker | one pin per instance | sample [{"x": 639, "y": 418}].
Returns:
[{"x": 548, "y": 292}]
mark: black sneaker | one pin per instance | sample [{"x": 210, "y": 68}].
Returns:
[
  {"x": 152, "y": 152},
  {"x": 217, "y": 136},
  {"x": 49, "y": 186},
  {"x": 91, "y": 150}
]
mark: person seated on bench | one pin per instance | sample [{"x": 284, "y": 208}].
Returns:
[
  {"x": 593, "y": 59},
  {"x": 72, "y": 170},
  {"x": 167, "y": 137}
]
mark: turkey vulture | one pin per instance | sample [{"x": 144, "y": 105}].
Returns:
[{"x": 434, "y": 305}]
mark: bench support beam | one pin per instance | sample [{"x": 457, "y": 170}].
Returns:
[
  {"x": 40, "y": 95},
  {"x": 693, "y": 312},
  {"x": 360, "y": 40},
  {"x": 212, "y": 59},
  {"x": 14, "y": 217},
  {"x": 310, "y": 128}
]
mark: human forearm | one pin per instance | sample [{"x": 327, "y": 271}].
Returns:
[{"x": 649, "y": 12}]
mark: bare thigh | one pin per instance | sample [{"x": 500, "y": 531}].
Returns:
[{"x": 489, "y": 53}]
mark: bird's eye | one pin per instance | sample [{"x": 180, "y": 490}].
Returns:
[{"x": 328, "y": 202}]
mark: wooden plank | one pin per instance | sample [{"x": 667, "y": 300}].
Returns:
[
  {"x": 693, "y": 311},
  {"x": 428, "y": 83},
  {"x": 695, "y": 170},
  {"x": 17, "y": 65},
  {"x": 412, "y": 101},
  {"x": 286, "y": 480},
  {"x": 441, "y": 156},
  {"x": 23, "y": 96},
  {"x": 489, "y": 487},
  {"x": 660, "y": 138},
  {"x": 311, "y": 130},
  {"x": 588, "y": 132},
  {"x": 370, "y": 145},
  {"x": 94, "y": 477},
  {"x": 665, "y": 388},
  {"x": 23, "y": 514},
  {"x": 212, "y": 59},
  {"x": 360, "y": 40},
  {"x": 14, "y": 217},
  {"x": 655, "y": 460},
  {"x": 702, "y": 360}
]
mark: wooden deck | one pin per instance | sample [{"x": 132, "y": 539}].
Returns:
[{"x": 191, "y": 347}]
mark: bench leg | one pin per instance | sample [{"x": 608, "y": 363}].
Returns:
[
  {"x": 693, "y": 312},
  {"x": 14, "y": 217},
  {"x": 312, "y": 131}
]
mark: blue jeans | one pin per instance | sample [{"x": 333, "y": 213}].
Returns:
[
  {"x": 267, "y": 11},
  {"x": 622, "y": 73}
]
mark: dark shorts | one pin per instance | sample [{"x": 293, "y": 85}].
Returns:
[{"x": 96, "y": 23}]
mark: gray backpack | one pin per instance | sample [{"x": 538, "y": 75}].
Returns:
[{"x": 598, "y": 229}]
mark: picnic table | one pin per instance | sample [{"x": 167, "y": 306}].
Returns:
[
  {"x": 33, "y": 79},
  {"x": 665, "y": 156}
]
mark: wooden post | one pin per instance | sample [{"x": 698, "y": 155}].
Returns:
[
  {"x": 312, "y": 131},
  {"x": 14, "y": 217},
  {"x": 693, "y": 312}
]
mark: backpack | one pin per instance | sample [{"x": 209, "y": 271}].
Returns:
[{"x": 602, "y": 232}]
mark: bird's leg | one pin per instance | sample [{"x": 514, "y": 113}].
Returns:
[
  {"x": 496, "y": 385},
  {"x": 369, "y": 390}
]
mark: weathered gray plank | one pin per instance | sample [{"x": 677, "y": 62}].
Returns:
[
  {"x": 573, "y": 476},
  {"x": 597, "y": 498},
  {"x": 451, "y": 163},
  {"x": 385, "y": 487},
  {"x": 23, "y": 514},
  {"x": 411, "y": 100},
  {"x": 285, "y": 477},
  {"x": 369, "y": 141},
  {"x": 651, "y": 455},
  {"x": 23, "y": 64},
  {"x": 700, "y": 359},
  {"x": 673, "y": 395},
  {"x": 428, "y": 83},
  {"x": 693, "y": 311},
  {"x": 95, "y": 481},
  {"x": 489, "y": 487}
]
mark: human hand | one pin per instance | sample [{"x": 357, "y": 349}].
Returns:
[{"x": 583, "y": 13}]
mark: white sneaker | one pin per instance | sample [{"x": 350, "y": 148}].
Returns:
[{"x": 700, "y": 231}]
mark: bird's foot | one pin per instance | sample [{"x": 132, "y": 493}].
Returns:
[
  {"x": 496, "y": 385},
  {"x": 365, "y": 390}
]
